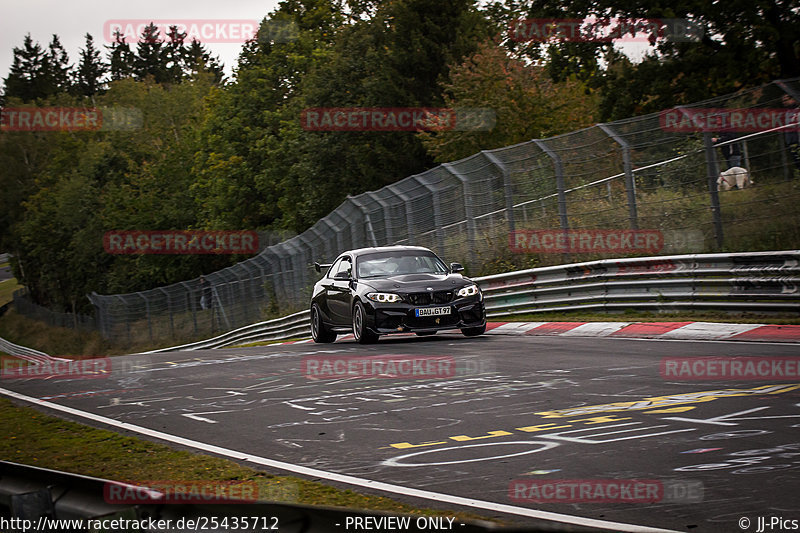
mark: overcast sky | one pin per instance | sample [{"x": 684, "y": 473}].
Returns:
[{"x": 72, "y": 19}]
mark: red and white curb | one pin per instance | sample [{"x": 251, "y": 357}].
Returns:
[
  {"x": 702, "y": 331},
  {"x": 715, "y": 331}
]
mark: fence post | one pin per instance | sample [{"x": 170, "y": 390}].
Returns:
[
  {"x": 191, "y": 306},
  {"x": 354, "y": 242},
  {"x": 337, "y": 235},
  {"x": 560, "y": 188},
  {"x": 99, "y": 313},
  {"x": 387, "y": 222},
  {"x": 409, "y": 214},
  {"x": 788, "y": 168},
  {"x": 509, "y": 194},
  {"x": 712, "y": 170},
  {"x": 370, "y": 231},
  {"x": 471, "y": 230},
  {"x": 298, "y": 270},
  {"x": 713, "y": 175},
  {"x": 147, "y": 312},
  {"x": 627, "y": 165},
  {"x": 169, "y": 310},
  {"x": 437, "y": 212}
]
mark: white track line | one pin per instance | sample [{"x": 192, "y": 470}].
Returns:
[{"x": 341, "y": 478}]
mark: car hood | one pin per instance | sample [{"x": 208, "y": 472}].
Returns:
[{"x": 417, "y": 282}]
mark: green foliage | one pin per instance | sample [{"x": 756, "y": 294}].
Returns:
[
  {"x": 122, "y": 180},
  {"x": 526, "y": 102},
  {"x": 218, "y": 154}
]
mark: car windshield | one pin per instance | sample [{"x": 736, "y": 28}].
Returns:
[{"x": 384, "y": 264}]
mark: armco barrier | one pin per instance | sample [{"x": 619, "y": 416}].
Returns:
[
  {"x": 42, "y": 496},
  {"x": 22, "y": 352},
  {"x": 755, "y": 281},
  {"x": 294, "y": 325}
]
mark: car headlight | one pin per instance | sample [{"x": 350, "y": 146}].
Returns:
[
  {"x": 469, "y": 290},
  {"x": 383, "y": 297}
]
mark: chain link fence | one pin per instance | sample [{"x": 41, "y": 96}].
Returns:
[{"x": 639, "y": 173}]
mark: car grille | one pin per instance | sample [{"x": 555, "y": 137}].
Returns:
[{"x": 428, "y": 298}]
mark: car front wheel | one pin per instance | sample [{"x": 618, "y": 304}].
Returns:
[
  {"x": 318, "y": 330},
  {"x": 360, "y": 331}
]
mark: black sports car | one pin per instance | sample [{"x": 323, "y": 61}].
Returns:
[{"x": 392, "y": 289}]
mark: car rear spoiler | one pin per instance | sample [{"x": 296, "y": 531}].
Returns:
[{"x": 319, "y": 266}]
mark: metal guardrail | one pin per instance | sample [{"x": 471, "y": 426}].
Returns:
[
  {"x": 31, "y": 496},
  {"x": 290, "y": 326},
  {"x": 755, "y": 281},
  {"x": 23, "y": 352}
]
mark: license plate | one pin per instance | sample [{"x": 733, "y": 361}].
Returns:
[{"x": 432, "y": 311}]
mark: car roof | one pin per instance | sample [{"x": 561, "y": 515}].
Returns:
[{"x": 377, "y": 249}]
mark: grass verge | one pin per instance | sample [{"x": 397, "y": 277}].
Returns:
[
  {"x": 30, "y": 437},
  {"x": 7, "y": 288},
  {"x": 54, "y": 340}
]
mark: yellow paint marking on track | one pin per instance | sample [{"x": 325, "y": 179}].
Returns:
[{"x": 646, "y": 406}]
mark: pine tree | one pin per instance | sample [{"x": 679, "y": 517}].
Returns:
[
  {"x": 120, "y": 58},
  {"x": 59, "y": 67},
  {"x": 88, "y": 76},
  {"x": 198, "y": 59},
  {"x": 150, "y": 59},
  {"x": 23, "y": 80},
  {"x": 174, "y": 56}
]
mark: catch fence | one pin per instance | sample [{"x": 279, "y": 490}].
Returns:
[{"x": 644, "y": 173}]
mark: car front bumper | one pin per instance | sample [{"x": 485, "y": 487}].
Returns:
[{"x": 400, "y": 317}]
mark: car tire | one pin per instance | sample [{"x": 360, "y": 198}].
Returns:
[
  {"x": 474, "y": 332},
  {"x": 361, "y": 333},
  {"x": 318, "y": 330}
]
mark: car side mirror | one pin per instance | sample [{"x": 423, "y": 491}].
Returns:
[
  {"x": 342, "y": 275},
  {"x": 456, "y": 267}
]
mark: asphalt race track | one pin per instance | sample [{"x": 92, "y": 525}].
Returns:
[{"x": 497, "y": 419}]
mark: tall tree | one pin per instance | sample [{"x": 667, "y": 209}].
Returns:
[
  {"x": 174, "y": 56},
  {"x": 244, "y": 155},
  {"x": 396, "y": 58},
  {"x": 90, "y": 71},
  {"x": 29, "y": 77},
  {"x": 57, "y": 61},
  {"x": 121, "y": 58},
  {"x": 742, "y": 44},
  {"x": 526, "y": 104},
  {"x": 150, "y": 56},
  {"x": 198, "y": 59}
]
